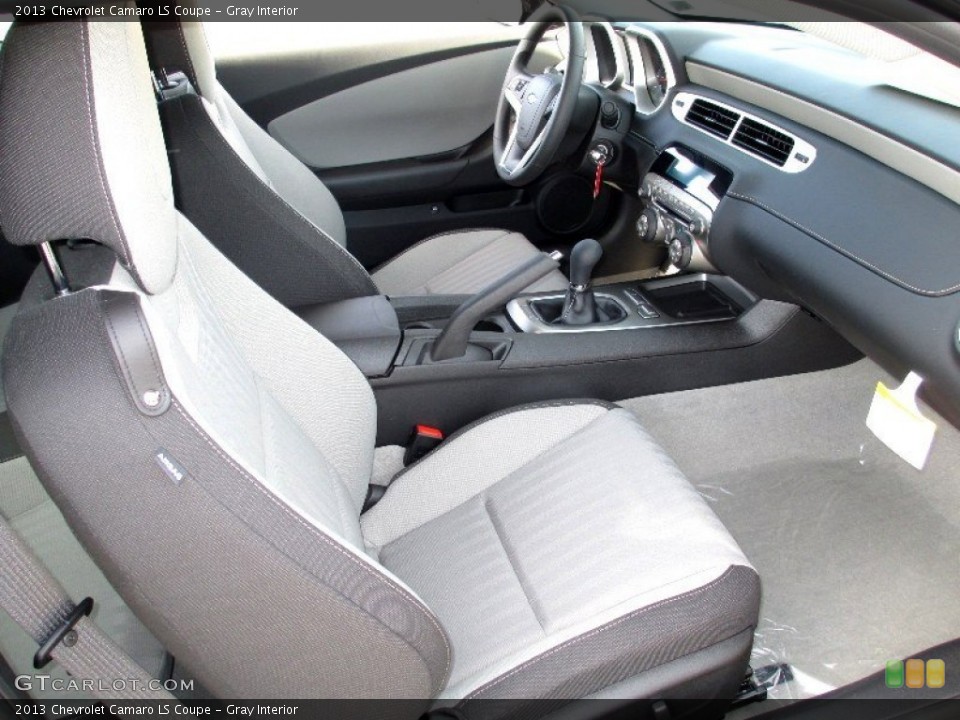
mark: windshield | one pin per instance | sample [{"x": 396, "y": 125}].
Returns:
[{"x": 895, "y": 62}]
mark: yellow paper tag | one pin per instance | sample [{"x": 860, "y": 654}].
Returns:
[{"x": 895, "y": 418}]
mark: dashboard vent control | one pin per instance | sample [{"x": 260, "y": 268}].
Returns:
[
  {"x": 713, "y": 118},
  {"x": 759, "y": 138}
]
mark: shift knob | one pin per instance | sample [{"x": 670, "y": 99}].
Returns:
[
  {"x": 583, "y": 259},
  {"x": 580, "y": 305}
]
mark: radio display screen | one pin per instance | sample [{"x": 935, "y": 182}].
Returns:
[
  {"x": 690, "y": 176},
  {"x": 700, "y": 177}
]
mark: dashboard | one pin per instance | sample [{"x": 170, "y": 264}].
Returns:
[{"x": 776, "y": 158}]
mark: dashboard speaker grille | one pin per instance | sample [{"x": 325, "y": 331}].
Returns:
[
  {"x": 714, "y": 119},
  {"x": 764, "y": 141}
]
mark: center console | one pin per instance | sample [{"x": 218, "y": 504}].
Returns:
[{"x": 448, "y": 361}]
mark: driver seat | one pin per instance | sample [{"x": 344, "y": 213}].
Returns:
[{"x": 275, "y": 220}]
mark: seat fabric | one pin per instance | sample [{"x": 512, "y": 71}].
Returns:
[
  {"x": 276, "y": 220},
  {"x": 460, "y": 263},
  {"x": 525, "y": 543},
  {"x": 226, "y": 449}
]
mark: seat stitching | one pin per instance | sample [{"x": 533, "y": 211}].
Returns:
[
  {"x": 263, "y": 490},
  {"x": 843, "y": 251},
  {"x": 87, "y": 75},
  {"x": 186, "y": 53},
  {"x": 148, "y": 339},
  {"x": 124, "y": 365},
  {"x": 596, "y": 631},
  {"x": 523, "y": 586}
]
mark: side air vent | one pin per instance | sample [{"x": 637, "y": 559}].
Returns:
[
  {"x": 712, "y": 118},
  {"x": 760, "y": 138},
  {"x": 746, "y": 132}
]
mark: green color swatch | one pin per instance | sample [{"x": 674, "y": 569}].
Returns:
[{"x": 894, "y": 674}]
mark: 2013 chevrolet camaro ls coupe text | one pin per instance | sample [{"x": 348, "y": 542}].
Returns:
[{"x": 589, "y": 360}]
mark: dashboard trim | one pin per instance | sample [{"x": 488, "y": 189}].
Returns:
[
  {"x": 892, "y": 153},
  {"x": 633, "y": 32},
  {"x": 619, "y": 54}
]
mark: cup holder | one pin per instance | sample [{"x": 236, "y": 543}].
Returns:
[{"x": 489, "y": 325}]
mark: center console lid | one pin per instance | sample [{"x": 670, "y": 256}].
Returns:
[{"x": 366, "y": 329}]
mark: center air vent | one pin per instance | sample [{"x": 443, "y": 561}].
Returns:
[
  {"x": 760, "y": 138},
  {"x": 747, "y": 133},
  {"x": 713, "y": 118}
]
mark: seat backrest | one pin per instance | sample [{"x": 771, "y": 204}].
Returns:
[
  {"x": 209, "y": 449},
  {"x": 258, "y": 204}
]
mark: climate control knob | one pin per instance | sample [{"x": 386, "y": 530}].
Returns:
[
  {"x": 698, "y": 227},
  {"x": 681, "y": 250},
  {"x": 650, "y": 227}
]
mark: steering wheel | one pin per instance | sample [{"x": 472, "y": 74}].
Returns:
[{"x": 539, "y": 106}]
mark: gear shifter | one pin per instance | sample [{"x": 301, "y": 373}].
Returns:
[{"x": 580, "y": 305}]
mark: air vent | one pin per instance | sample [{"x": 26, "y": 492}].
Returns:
[
  {"x": 747, "y": 133},
  {"x": 763, "y": 140},
  {"x": 712, "y": 118}
]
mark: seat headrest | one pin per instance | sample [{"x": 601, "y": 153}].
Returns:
[
  {"x": 81, "y": 148},
  {"x": 178, "y": 45}
]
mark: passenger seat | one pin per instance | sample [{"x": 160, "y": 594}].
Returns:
[{"x": 213, "y": 453}]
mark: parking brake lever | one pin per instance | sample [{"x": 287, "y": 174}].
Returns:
[{"x": 455, "y": 337}]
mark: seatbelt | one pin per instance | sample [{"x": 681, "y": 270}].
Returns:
[{"x": 63, "y": 630}]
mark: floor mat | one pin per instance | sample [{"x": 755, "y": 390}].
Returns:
[{"x": 859, "y": 554}]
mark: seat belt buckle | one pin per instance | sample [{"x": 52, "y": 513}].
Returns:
[
  {"x": 423, "y": 439},
  {"x": 63, "y": 634}
]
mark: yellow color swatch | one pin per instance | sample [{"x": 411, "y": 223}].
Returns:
[
  {"x": 915, "y": 673},
  {"x": 936, "y": 673}
]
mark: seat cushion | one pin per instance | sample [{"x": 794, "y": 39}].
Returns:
[
  {"x": 460, "y": 263},
  {"x": 563, "y": 552}
]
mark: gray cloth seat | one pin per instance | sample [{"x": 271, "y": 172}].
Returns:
[
  {"x": 549, "y": 552},
  {"x": 275, "y": 219},
  {"x": 583, "y": 537}
]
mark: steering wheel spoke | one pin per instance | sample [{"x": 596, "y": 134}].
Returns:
[
  {"x": 514, "y": 90},
  {"x": 514, "y": 159}
]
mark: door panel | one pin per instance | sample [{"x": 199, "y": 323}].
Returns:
[{"x": 427, "y": 110}]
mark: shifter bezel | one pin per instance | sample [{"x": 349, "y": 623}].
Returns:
[{"x": 642, "y": 312}]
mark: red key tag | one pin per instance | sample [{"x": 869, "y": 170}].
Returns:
[{"x": 598, "y": 180}]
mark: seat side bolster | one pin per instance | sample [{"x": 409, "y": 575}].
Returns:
[{"x": 274, "y": 243}]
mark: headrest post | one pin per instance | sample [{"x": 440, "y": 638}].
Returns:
[{"x": 54, "y": 269}]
